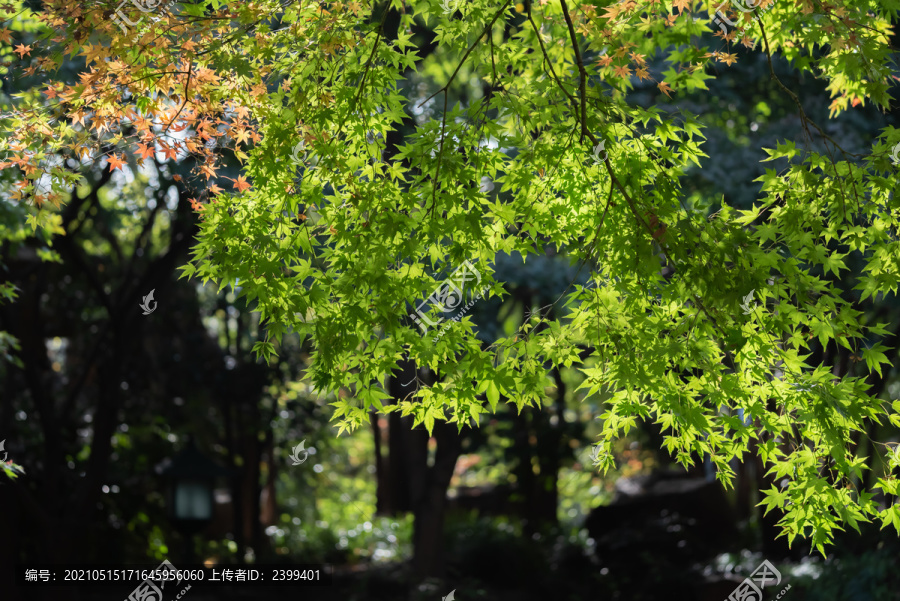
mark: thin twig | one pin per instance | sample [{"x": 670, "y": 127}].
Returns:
[
  {"x": 487, "y": 28},
  {"x": 440, "y": 157},
  {"x": 550, "y": 64},
  {"x": 187, "y": 88},
  {"x": 371, "y": 56},
  {"x": 582, "y": 74},
  {"x": 445, "y": 90},
  {"x": 803, "y": 116}
]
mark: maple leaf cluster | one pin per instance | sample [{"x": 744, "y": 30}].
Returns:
[{"x": 154, "y": 97}]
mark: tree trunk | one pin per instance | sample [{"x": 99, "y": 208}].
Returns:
[
  {"x": 237, "y": 504},
  {"x": 428, "y": 523},
  {"x": 409, "y": 484},
  {"x": 549, "y": 457},
  {"x": 11, "y": 536},
  {"x": 407, "y": 457},
  {"x": 526, "y": 481},
  {"x": 382, "y": 490}
]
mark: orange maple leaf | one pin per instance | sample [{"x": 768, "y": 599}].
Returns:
[
  {"x": 115, "y": 163},
  {"x": 664, "y": 88},
  {"x": 240, "y": 183},
  {"x": 729, "y": 59},
  {"x": 209, "y": 171},
  {"x": 171, "y": 153},
  {"x": 681, "y": 5},
  {"x": 22, "y": 50},
  {"x": 93, "y": 53},
  {"x": 611, "y": 12},
  {"x": 145, "y": 151},
  {"x": 142, "y": 124},
  {"x": 5, "y": 36},
  {"x": 642, "y": 73},
  {"x": 622, "y": 71}
]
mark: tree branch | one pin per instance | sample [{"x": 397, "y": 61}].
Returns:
[
  {"x": 468, "y": 52},
  {"x": 582, "y": 74}
]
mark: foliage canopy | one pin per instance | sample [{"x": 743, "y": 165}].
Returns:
[{"x": 356, "y": 139}]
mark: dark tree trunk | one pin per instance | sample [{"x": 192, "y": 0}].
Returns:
[
  {"x": 407, "y": 450},
  {"x": 409, "y": 484},
  {"x": 237, "y": 504},
  {"x": 745, "y": 474},
  {"x": 11, "y": 536},
  {"x": 269, "y": 506},
  {"x": 428, "y": 522},
  {"x": 382, "y": 490},
  {"x": 524, "y": 470},
  {"x": 252, "y": 482},
  {"x": 547, "y": 493}
]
